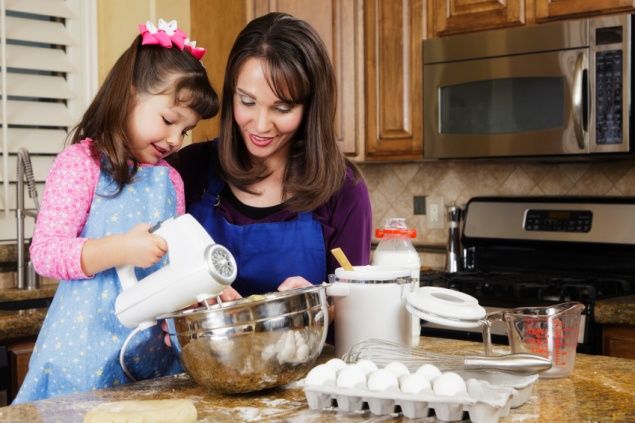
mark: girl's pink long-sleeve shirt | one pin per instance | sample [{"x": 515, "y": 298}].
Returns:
[{"x": 56, "y": 247}]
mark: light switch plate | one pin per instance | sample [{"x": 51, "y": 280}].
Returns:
[{"x": 435, "y": 212}]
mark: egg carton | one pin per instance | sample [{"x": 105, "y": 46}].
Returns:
[
  {"x": 522, "y": 384},
  {"x": 484, "y": 402}
]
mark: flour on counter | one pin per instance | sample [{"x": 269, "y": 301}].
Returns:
[{"x": 249, "y": 414}]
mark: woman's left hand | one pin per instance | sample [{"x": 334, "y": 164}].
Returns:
[{"x": 294, "y": 282}]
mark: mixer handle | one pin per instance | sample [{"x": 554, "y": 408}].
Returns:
[{"x": 127, "y": 276}]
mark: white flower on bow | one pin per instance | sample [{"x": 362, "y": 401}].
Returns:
[{"x": 168, "y": 27}]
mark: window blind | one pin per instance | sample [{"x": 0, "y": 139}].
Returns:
[{"x": 48, "y": 75}]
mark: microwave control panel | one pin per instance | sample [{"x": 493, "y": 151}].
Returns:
[
  {"x": 608, "y": 103},
  {"x": 558, "y": 220}
]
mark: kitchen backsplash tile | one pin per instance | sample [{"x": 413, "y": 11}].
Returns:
[{"x": 393, "y": 186}]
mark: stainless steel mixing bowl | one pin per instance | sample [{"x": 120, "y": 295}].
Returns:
[{"x": 254, "y": 343}]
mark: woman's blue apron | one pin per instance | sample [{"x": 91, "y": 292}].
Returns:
[
  {"x": 266, "y": 253},
  {"x": 78, "y": 346}
]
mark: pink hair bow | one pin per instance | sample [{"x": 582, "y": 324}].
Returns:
[{"x": 166, "y": 34}]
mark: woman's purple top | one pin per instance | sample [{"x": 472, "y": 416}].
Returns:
[{"x": 346, "y": 218}]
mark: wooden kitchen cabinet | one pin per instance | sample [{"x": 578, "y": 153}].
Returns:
[
  {"x": 393, "y": 32},
  {"x": 19, "y": 353},
  {"x": 375, "y": 47},
  {"x": 556, "y": 9},
  {"x": 618, "y": 341},
  {"x": 446, "y": 17}
]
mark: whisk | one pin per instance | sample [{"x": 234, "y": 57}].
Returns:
[{"x": 383, "y": 352}]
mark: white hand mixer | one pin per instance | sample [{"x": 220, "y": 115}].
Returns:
[{"x": 197, "y": 269}]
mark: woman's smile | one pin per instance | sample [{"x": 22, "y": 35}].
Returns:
[{"x": 260, "y": 141}]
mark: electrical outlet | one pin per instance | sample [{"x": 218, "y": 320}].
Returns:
[
  {"x": 419, "y": 204},
  {"x": 435, "y": 212}
]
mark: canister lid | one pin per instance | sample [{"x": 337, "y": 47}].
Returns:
[
  {"x": 446, "y": 307},
  {"x": 370, "y": 273}
]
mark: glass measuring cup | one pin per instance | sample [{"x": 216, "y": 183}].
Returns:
[{"x": 551, "y": 332}]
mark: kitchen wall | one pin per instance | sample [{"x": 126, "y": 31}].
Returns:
[{"x": 393, "y": 186}]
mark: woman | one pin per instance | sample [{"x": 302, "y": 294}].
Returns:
[{"x": 274, "y": 188}]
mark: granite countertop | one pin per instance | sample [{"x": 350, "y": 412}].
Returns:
[
  {"x": 616, "y": 311},
  {"x": 25, "y": 322},
  {"x": 14, "y": 294},
  {"x": 21, "y": 323},
  {"x": 599, "y": 389}
]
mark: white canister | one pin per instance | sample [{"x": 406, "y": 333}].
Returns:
[
  {"x": 370, "y": 302},
  {"x": 396, "y": 250}
]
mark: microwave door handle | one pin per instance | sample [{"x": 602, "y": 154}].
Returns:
[{"x": 578, "y": 99}]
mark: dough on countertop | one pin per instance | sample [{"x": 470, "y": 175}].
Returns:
[{"x": 148, "y": 411}]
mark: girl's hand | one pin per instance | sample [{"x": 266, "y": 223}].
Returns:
[
  {"x": 143, "y": 249},
  {"x": 294, "y": 282}
]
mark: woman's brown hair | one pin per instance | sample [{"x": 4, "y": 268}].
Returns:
[
  {"x": 299, "y": 71},
  {"x": 149, "y": 69}
]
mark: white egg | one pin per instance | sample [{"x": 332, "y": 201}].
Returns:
[
  {"x": 429, "y": 371},
  {"x": 398, "y": 368},
  {"x": 336, "y": 364},
  {"x": 302, "y": 353},
  {"x": 366, "y": 365},
  {"x": 413, "y": 383},
  {"x": 449, "y": 384},
  {"x": 383, "y": 380},
  {"x": 321, "y": 375},
  {"x": 351, "y": 376}
]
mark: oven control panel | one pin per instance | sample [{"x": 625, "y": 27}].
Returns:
[{"x": 558, "y": 220}]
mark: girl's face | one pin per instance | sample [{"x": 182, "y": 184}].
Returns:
[
  {"x": 267, "y": 124},
  {"x": 156, "y": 126}
]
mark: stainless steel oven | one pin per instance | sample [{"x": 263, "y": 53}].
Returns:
[
  {"x": 561, "y": 88},
  {"x": 538, "y": 251}
]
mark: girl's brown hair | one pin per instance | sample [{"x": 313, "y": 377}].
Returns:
[
  {"x": 299, "y": 71},
  {"x": 149, "y": 69}
]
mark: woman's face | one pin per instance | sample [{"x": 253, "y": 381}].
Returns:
[{"x": 267, "y": 124}]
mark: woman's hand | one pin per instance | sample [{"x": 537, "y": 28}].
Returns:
[
  {"x": 228, "y": 294},
  {"x": 294, "y": 282}
]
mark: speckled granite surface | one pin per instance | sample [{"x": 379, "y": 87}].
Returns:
[
  {"x": 600, "y": 389},
  {"x": 616, "y": 311},
  {"x": 13, "y": 294},
  {"x": 21, "y": 323}
]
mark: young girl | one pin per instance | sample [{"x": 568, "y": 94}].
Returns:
[{"x": 102, "y": 195}]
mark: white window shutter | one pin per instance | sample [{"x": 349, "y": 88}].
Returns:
[{"x": 47, "y": 78}]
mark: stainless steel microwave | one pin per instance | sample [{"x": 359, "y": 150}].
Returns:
[{"x": 561, "y": 88}]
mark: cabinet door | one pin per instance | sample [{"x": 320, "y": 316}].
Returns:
[
  {"x": 455, "y": 16},
  {"x": 215, "y": 25},
  {"x": 549, "y": 9},
  {"x": 337, "y": 22},
  {"x": 19, "y": 356},
  {"x": 618, "y": 341},
  {"x": 394, "y": 74}
]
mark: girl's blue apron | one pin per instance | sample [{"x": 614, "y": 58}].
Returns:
[
  {"x": 78, "y": 346},
  {"x": 266, "y": 253}
]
